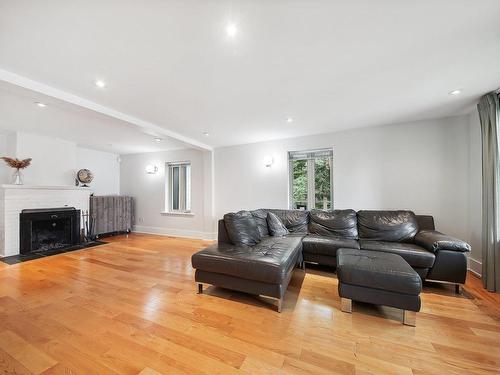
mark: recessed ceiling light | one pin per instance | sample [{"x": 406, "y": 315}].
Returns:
[
  {"x": 231, "y": 29},
  {"x": 289, "y": 120},
  {"x": 455, "y": 92},
  {"x": 100, "y": 83},
  {"x": 206, "y": 134},
  {"x": 158, "y": 139},
  {"x": 41, "y": 105}
]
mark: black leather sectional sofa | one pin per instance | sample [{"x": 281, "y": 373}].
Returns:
[{"x": 249, "y": 258}]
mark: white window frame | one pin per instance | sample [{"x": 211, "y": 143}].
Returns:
[
  {"x": 184, "y": 199},
  {"x": 310, "y": 156}
]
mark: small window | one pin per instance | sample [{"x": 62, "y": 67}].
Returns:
[
  {"x": 179, "y": 187},
  {"x": 311, "y": 179}
]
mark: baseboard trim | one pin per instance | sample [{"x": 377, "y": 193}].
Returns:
[
  {"x": 474, "y": 266},
  {"x": 175, "y": 232}
]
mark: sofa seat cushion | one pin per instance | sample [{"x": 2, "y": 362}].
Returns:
[
  {"x": 414, "y": 255},
  {"x": 377, "y": 270},
  {"x": 270, "y": 261},
  {"x": 326, "y": 245}
]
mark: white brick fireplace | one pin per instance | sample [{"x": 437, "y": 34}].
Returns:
[{"x": 15, "y": 198}]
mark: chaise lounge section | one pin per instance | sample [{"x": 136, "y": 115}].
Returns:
[
  {"x": 264, "y": 269},
  {"x": 254, "y": 262},
  {"x": 258, "y": 250}
]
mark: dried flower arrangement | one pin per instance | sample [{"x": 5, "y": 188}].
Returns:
[{"x": 16, "y": 163}]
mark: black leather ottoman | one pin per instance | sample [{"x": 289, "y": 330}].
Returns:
[{"x": 378, "y": 278}]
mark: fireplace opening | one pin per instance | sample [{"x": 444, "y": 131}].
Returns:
[
  {"x": 50, "y": 234},
  {"x": 49, "y": 229}
]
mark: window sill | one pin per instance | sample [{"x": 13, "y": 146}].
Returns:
[{"x": 169, "y": 213}]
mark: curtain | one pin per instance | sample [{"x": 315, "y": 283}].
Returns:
[{"x": 489, "y": 115}]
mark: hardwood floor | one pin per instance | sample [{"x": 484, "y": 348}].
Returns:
[{"x": 130, "y": 307}]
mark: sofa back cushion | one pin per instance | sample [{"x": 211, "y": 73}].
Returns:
[
  {"x": 394, "y": 226},
  {"x": 241, "y": 228},
  {"x": 276, "y": 226},
  {"x": 340, "y": 223},
  {"x": 295, "y": 221},
  {"x": 260, "y": 217}
]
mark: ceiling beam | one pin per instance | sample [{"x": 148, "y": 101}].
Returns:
[{"x": 147, "y": 126}]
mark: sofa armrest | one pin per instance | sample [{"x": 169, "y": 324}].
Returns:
[{"x": 433, "y": 241}]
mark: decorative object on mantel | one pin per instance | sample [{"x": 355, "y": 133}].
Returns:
[
  {"x": 17, "y": 177},
  {"x": 84, "y": 176}
]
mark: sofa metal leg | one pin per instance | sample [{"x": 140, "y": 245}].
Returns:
[
  {"x": 303, "y": 265},
  {"x": 200, "y": 288},
  {"x": 409, "y": 318},
  {"x": 458, "y": 289},
  {"x": 346, "y": 305},
  {"x": 280, "y": 304}
]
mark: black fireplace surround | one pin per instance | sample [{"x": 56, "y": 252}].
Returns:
[{"x": 49, "y": 229}]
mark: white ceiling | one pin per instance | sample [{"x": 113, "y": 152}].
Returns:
[
  {"x": 331, "y": 65},
  {"x": 73, "y": 123}
]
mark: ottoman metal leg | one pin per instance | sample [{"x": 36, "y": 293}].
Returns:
[
  {"x": 409, "y": 318},
  {"x": 200, "y": 288},
  {"x": 280, "y": 304},
  {"x": 346, "y": 305}
]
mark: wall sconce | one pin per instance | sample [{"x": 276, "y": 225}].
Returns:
[
  {"x": 151, "y": 169},
  {"x": 268, "y": 161}
]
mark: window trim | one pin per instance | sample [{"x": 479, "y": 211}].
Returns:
[
  {"x": 311, "y": 198},
  {"x": 183, "y": 201}
]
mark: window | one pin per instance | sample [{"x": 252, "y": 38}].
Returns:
[
  {"x": 179, "y": 187},
  {"x": 311, "y": 179}
]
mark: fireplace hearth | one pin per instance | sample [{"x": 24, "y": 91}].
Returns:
[{"x": 43, "y": 230}]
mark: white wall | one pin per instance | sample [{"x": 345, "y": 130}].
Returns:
[
  {"x": 5, "y": 172},
  {"x": 105, "y": 167},
  {"x": 422, "y": 166},
  {"x": 148, "y": 191},
  {"x": 55, "y": 162},
  {"x": 430, "y": 167}
]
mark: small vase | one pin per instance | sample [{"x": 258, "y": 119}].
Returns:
[{"x": 17, "y": 177}]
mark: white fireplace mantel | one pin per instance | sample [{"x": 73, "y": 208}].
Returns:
[{"x": 15, "y": 198}]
